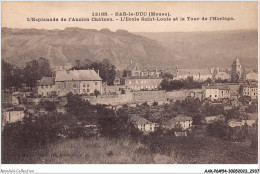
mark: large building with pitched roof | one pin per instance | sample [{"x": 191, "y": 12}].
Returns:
[
  {"x": 74, "y": 81},
  {"x": 77, "y": 82}
]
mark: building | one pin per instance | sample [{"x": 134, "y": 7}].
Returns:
[
  {"x": 137, "y": 83},
  {"x": 12, "y": 115},
  {"x": 77, "y": 82},
  {"x": 222, "y": 76},
  {"x": 236, "y": 71},
  {"x": 135, "y": 70},
  {"x": 143, "y": 124},
  {"x": 252, "y": 76},
  {"x": 115, "y": 89},
  {"x": 210, "y": 119},
  {"x": 46, "y": 86},
  {"x": 216, "y": 91},
  {"x": 250, "y": 90},
  {"x": 183, "y": 120},
  {"x": 196, "y": 74}
]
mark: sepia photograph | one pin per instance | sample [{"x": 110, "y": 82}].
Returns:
[{"x": 94, "y": 82}]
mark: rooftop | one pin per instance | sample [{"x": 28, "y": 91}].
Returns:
[
  {"x": 77, "y": 75},
  {"x": 142, "y": 77},
  {"x": 46, "y": 81},
  {"x": 139, "y": 120}
]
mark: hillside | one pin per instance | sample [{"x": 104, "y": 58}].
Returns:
[
  {"x": 188, "y": 50},
  {"x": 210, "y": 49},
  {"x": 65, "y": 46}
]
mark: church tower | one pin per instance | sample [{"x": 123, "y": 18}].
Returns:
[{"x": 236, "y": 70}]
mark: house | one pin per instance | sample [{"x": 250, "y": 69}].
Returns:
[
  {"x": 234, "y": 123},
  {"x": 137, "y": 83},
  {"x": 250, "y": 90},
  {"x": 252, "y": 76},
  {"x": 210, "y": 119},
  {"x": 252, "y": 118},
  {"x": 216, "y": 91},
  {"x": 77, "y": 82},
  {"x": 143, "y": 124},
  {"x": 14, "y": 114},
  {"x": 196, "y": 74},
  {"x": 183, "y": 120},
  {"x": 46, "y": 86}
]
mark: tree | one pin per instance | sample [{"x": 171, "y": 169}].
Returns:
[
  {"x": 7, "y": 75},
  {"x": 12, "y": 77},
  {"x": 96, "y": 92},
  {"x": 50, "y": 106},
  {"x": 79, "y": 108},
  {"x": 167, "y": 75},
  {"x": 35, "y": 70}
]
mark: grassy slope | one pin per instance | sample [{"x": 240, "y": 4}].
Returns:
[{"x": 189, "y": 150}]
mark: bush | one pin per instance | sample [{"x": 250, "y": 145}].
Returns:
[
  {"x": 217, "y": 129},
  {"x": 155, "y": 103}
]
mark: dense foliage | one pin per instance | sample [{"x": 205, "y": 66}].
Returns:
[
  {"x": 13, "y": 77},
  {"x": 188, "y": 83},
  {"x": 107, "y": 70}
]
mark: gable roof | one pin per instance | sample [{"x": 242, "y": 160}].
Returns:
[
  {"x": 139, "y": 120},
  {"x": 194, "y": 71},
  {"x": 76, "y": 75},
  {"x": 46, "y": 81},
  {"x": 181, "y": 117}
]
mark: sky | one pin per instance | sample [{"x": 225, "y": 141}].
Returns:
[{"x": 15, "y": 14}]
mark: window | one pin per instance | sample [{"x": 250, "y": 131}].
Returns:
[
  {"x": 151, "y": 127},
  {"x": 96, "y": 83},
  {"x": 87, "y": 90},
  {"x": 42, "y": 87},
  {"x": 209, "y": 95},
  {"x": 50, "y": 86},
  {"x": 215, "y": 95},
  {"x": 74, "y": 85},
  {"x": 84, "y": 91},
  {"x": 88, "y": 85},
  {"x": 84, "y": 85}
]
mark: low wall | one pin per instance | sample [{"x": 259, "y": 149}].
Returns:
[
  {"x": 151, "y": 96},
  {"x": 180, "y": 94},
  {"x": 110, "y": 99}
]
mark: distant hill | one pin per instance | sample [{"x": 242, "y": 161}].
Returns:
[
  {"x": 210, "y": 49},
  {"x": 65, "y": 46},
  {"x": 188, "y": 50}
]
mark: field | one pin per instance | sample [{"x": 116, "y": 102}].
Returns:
[{"x": 185, "y": 150}]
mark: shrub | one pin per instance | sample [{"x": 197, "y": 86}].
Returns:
[{"x": 217, "y": 129}]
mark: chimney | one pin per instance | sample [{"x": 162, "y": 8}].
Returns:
[{"x": 98, "y": 72}]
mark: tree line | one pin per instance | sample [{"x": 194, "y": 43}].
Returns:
[{"x": 14, "y": 77}]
